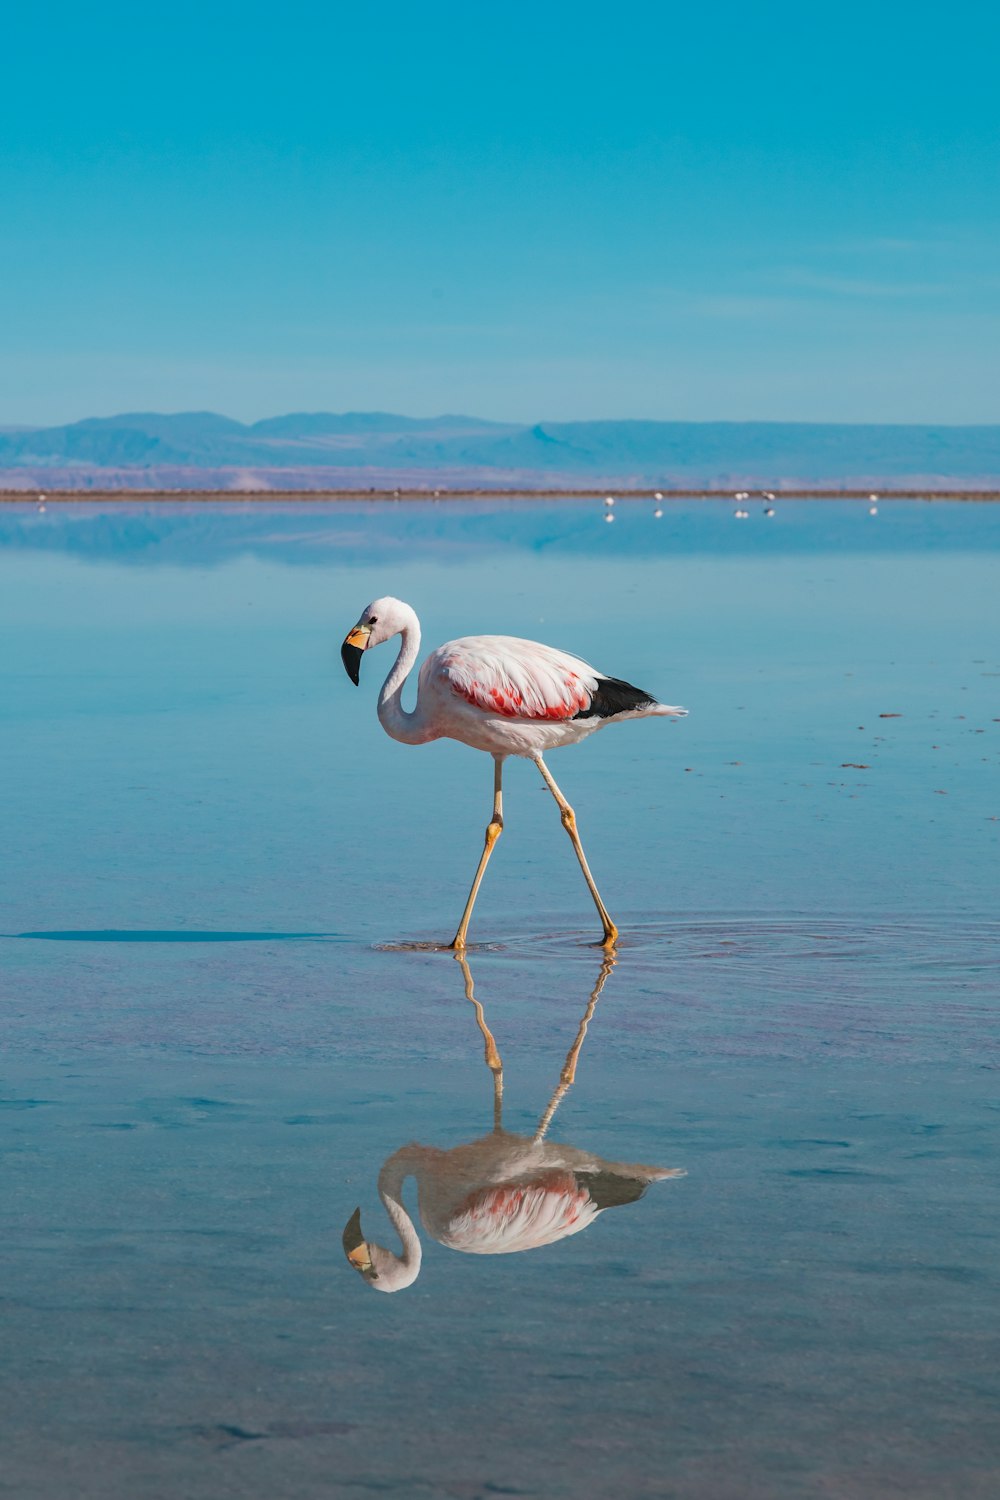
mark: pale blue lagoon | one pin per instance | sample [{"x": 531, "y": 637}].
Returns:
[{"x": 218, "y": 1020}]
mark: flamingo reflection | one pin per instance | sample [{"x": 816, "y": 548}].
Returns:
[{"x": 502, "y": 1193}]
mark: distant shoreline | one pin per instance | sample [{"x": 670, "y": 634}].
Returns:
[{"x": 123, "y": 497}]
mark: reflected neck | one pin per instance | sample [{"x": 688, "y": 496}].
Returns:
[{"x": 390, "y": 1190}]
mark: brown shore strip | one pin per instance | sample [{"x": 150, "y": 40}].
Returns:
[{"x": 121, "y": 496}]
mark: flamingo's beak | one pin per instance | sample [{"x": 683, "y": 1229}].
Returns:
[
  {"x": 356, "y": 1247},
  {"x": 352, "y": 649}
]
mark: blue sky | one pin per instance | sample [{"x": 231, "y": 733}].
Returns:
[{"x": 530, "y": 212}]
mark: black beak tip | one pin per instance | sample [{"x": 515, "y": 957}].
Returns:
[
  {"x": 353, "y": 1237},
  {"x": 351, "y": 657}
]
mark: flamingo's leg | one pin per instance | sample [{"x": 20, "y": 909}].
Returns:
[
  {"x": 569, "y": 823},
  {"x": 493, "y": 832},
  {"x": 492, "y": 1055}
]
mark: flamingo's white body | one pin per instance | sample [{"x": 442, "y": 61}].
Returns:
[
  {"x": 502, "y": 1193},
  {"x": 499, "y": 694}
]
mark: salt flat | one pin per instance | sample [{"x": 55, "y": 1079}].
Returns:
[{"x": 212, "y": 1041}]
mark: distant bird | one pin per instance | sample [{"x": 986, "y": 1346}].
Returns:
[
  {"x": 500, "y": 694},
  {"x": 609, "y": 500},
  {"x": 499, "y": 1194}
]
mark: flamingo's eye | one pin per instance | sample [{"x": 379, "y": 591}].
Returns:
[{"x": 373, "y": 619}]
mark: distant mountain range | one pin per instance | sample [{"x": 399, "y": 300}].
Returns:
[{"x": 359, "y": 450}]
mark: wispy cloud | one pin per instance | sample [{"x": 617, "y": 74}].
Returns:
[
  {"x": 884, "y": 244},
  {"x": 787, "y": 291},
  {"x": 860, "y": 286},
  {"x": 934, "y": 240}
]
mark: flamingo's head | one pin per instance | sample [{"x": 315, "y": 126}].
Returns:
[
  {"x": 382, "y": 1270},
  {"x": 379, "y": 621}
]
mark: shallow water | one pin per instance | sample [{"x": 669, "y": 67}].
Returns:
[{"x": 219, "y": 1021}]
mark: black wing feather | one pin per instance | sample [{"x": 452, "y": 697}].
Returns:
[
  {"x": 611, "y": 1189},
  {"x": 613, "y": 696}
]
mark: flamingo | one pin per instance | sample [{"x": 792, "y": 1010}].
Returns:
[
  {"x": 500, "y": 694},
  {"x": 502, "y": 1193}
]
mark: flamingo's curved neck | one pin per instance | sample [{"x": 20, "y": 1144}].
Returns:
[
  {"x": 392, "y": 715},
  {"x": 390, "y": 1190}
]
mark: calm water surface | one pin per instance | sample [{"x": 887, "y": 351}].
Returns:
[{"x": 219, "y": 1023}]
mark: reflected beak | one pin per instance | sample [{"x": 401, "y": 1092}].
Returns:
[
  {"x": 356, "y": 1246},
  {"x": 352, "y": 649}
]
